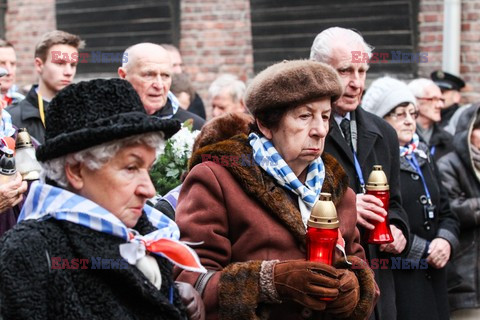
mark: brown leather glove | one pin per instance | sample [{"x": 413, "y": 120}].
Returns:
[
  {"x": 348, "y": 296},
  {"x": 305, "y": 282},
  {"x": 191, "y": 300}
]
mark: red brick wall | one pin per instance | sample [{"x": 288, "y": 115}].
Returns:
[
  {"x": 25, "y": 22},
  {"x": 431, "y": 36},
  {"x": 216, "y": 38}
]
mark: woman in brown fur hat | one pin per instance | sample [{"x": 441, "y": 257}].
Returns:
[{"x": 246, "y": 199}]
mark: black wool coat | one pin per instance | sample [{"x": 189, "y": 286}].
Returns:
[
  {"x": 31, "y": 288},
  {"x": 377, "y": 144},
  {"x": 424, "y": 290}
]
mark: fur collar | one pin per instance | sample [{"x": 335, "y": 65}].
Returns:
[{"x": 261, "y": 187}]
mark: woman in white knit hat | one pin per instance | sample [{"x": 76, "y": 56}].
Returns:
[{"x": 420, "y": 276}]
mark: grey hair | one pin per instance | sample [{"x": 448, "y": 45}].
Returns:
[
  {"x": 326, "y": 40},
  {"x": 95, "y": 157},
  {"x": 234, "y": 86},
  {"x": 418, "y": 86}
]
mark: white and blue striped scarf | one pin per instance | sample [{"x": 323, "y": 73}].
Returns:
[
  {"x": 410, "y": 147},
  {"x": 268, "y": 158},
  {"x": 7, "y": 129},
  {"x": 175, "y": 105},
  {"x": 45, "y": 202}
]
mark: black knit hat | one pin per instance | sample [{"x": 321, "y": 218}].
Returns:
[{"x": 93, "y": 112}]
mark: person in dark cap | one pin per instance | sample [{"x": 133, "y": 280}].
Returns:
[
  {"x": 87, "y": 246},
  {"x": 250, "y": 219},
  {"x": 451, "y": 86}
]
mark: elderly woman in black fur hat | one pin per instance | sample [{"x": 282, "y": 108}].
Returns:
[
  {"x": 87, "y": 245},
  {"x": 247, "y": 199}
]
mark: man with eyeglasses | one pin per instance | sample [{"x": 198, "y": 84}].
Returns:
[{"x": 430, "y": 103}]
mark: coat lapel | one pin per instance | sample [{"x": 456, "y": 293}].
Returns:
[
  {"x": 337, "y": 137},
  {"x": 260, "y": 186},
  {"x": 367, "y": 136}
]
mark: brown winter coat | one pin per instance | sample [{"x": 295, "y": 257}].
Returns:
[{"x": 243, "y": 218}]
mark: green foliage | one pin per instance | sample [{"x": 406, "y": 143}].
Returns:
[{"x": 172, "y": 163}]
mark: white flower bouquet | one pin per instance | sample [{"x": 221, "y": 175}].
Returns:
[{"x": 173, "y": 161}]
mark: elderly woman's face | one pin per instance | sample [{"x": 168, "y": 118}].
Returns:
[
  {"x": 300, "y": 136},
  {"x": 402, "y": 119},
  {"x": 122, "y": 185}
]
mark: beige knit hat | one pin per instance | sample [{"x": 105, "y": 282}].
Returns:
[{"x": 292, "y": 83}]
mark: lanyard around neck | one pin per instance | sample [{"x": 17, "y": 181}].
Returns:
[
  {"x": 40, "y": 108},
  {"x": 354, "y": 139},
  {"x": 358, "y": 169},
  {"x": 413, "y": 161}
]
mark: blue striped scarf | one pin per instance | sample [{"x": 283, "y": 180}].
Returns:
[
  {"x": 7, "y": 129},
  {"x": 268, "y": 158},
  {"x": 175, "y": 105},
  {"x": 411, "y": 147},
  {"x": 45, "y": 202}
]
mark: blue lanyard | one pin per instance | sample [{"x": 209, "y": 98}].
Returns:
[
  {"x": 432, "y": 151},
  {"x": 413, "y": 161},
  {"x": 359, "y": 172}
]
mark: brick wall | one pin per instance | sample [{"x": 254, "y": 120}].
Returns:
[
  {"x": 431, "y": 36},
  {"x": 25, "y": 22},
  {"x": 216, "y": 38}
]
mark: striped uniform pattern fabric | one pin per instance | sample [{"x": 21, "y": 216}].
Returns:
[
  {"x": 175, "y": 105},
  {"x": 268, "y": 158},
  {"x": 45, "y": 201},
  {"x": 6, "y": 129},
  {"x": 411, "y": 147}
]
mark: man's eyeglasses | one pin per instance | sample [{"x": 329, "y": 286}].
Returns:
[
  {"x": 400, "y": 116},
  {"x": 432, "y": 99}
]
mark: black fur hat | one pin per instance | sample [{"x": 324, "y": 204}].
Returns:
[{"x": 93, "y": 112}]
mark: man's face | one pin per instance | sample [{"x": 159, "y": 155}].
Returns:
[
  {"x": 177, "y": 62},
  {"x": 150, "y": 73},
  {"x": 430, "y": 104},
  {"x": 58, "y": 70},
  {"x": 352, "y": 75},
  {"x": 223, "y": 103},
  {"x": 451, "y": 97},
  {"x": 8, "y": 61}
]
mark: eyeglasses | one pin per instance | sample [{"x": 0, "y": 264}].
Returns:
[
  {"x": 403, "y": 115},
  {"x": 432, "y": 99}
]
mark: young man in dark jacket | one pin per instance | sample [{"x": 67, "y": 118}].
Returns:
[{"x": 56, "y": 58}]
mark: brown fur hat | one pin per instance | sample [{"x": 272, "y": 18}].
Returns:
[
  {"x": 222, "y": 128},
  {"x": 290, "y": 84}
]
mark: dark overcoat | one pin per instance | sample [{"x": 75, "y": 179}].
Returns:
[
  {"x": 377, "y": 145},
  {"x": 424, "y": 290},
  {"x": 463, "y": 185}
]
